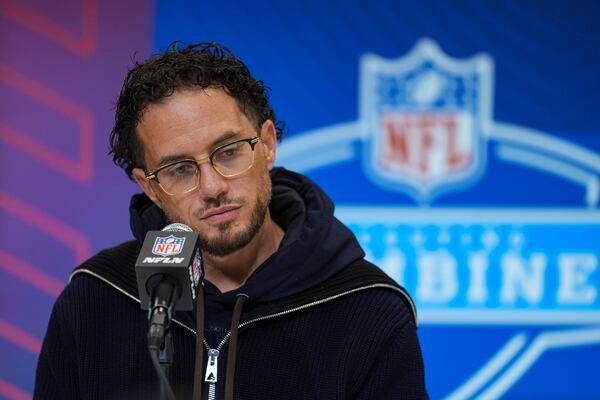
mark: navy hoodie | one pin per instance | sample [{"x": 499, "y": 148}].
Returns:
[{"x": 297, "y": 353}]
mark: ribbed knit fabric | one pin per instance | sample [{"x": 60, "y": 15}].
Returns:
[
  {"x": 359, "y": 346},
  {"x": 336, "y": 327},
  {"x": 95, "y": 351}
]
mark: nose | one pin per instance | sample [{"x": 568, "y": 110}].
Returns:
[{"x": 212, "y": 184}]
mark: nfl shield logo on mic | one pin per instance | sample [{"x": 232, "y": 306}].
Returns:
[
  {"x": 424, "y": 119},
  {"x": 168, "y": 246}
]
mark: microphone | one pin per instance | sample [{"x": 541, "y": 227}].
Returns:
[{"x": 168, "y": 271}]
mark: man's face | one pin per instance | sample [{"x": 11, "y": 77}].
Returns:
[{"x": 226, "y": 212}]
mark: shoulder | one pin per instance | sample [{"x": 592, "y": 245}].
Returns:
[
  {"x": 377, "y": 309},
  {"x": 114, "y": 266},
  {"x": 88, "y": 293},
  {"x": 364, "y": 284},
  {"x": 95, "y": 280},
  {"x": 122, "y": 255},
  {"x": 94, "y": 301}
]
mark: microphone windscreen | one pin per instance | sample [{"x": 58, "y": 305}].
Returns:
[{"x": 172, "y": 252}]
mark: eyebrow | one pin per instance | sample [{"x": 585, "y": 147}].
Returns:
[{"x": 222, "y": 139}]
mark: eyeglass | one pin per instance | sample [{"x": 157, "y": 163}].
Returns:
[{"x": 228, "y": 160}]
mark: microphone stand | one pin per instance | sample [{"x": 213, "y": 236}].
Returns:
[
  {"x": 162, "y": 283},
  {"x": 165, "y": 357},
  {"x": 160, "y": 339}
]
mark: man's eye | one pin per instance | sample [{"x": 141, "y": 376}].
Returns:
[
  {"x": 179, "y": 170},
  {"x": 227, "y": 153}
]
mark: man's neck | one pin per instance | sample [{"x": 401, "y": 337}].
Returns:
[{"x": 230, "y": 272}]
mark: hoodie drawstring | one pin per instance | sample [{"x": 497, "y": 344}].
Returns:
[
  {"x": 199, "y": 363},
  {"x": 232, "y": 351}
]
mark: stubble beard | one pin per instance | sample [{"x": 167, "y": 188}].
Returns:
[{"x": 227, "y": 242}]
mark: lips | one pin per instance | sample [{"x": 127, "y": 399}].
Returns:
[{"x": 220, "y": 214}]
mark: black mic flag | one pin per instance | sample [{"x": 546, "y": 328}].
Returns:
[
  {"x": 171, "y": 254},
  {"x": 168, "y": 271}
]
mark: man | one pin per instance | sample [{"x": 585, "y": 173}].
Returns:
[{"x": 311, "y": 318}]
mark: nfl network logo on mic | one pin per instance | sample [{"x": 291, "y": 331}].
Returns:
[
  {"x": 425, "y": 129},
  {"x": 168, "y": 246}
]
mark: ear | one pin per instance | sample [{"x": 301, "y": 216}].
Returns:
[
  {"x": 140, "y": 177},
  {"x": 268, "y": 137}
]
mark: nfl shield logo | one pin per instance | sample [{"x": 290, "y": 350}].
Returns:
[
  {"x": 168, "y": 246},
  {"x": 425, "y": 117}
]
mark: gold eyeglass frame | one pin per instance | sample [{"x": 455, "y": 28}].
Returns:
[{"x": 154, "y": 175}]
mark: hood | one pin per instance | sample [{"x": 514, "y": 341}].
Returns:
[{"x": 316, "y": 245}]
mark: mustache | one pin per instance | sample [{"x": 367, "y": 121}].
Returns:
[{"x": 220, "y": 202}]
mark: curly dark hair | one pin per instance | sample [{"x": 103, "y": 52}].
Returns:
[{"x": 201, "y": 65}]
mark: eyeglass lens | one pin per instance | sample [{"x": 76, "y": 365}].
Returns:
[{"x": 228, "y": 161}]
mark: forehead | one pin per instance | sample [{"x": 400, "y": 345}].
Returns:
[{"x": 189, "y": 123}]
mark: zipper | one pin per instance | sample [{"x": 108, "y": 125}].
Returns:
[
  {"x": 126, "y": 293},
  {"x": 213, "y": 354},
  {"x": 212, "y": 372},
  {"x": 318, "y": 302},
  {"x": 211, "y": 375},
  {"x": 285, "y": 312}
]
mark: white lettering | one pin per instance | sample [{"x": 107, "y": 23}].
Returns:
[
  {"x": 574, "y": 272},
  {"x": 478, "y": 264},
  {"x": 469, "y": 275},
  {"x": 437, "y": 277},
  {"x": 393, "y": 264},
  {"x": 165, "y": 260},
  {"x": 522, "y": 279}
]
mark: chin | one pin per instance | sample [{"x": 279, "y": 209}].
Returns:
[{"x": 229, "y": 238}]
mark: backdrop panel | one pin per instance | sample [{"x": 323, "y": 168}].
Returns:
[
  {"x": 460, "y": 141},
  {"x": 61, "y": 199}
]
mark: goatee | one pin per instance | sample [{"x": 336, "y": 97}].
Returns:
[{"x": 228, "y": 240}]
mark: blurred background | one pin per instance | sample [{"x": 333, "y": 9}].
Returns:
[{"x": 460, "y": 141}]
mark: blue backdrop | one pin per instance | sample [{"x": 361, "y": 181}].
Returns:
[
  {"x": 501, "y": 253},
  {"x": 460, "y": 141}
]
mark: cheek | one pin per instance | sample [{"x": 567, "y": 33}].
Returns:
[
  {"x": 180, "y": 208},
  {"x": 262, "y": 190}
]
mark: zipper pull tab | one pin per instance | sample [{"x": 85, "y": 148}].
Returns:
[{"x": 211, "y": 366}]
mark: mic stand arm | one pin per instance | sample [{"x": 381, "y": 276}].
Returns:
[
  {"x": 160, "y": 339},
  {"x": 165, "y": 357}
]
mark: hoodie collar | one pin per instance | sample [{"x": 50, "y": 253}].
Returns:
[{"x": 315, "y": 246}]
